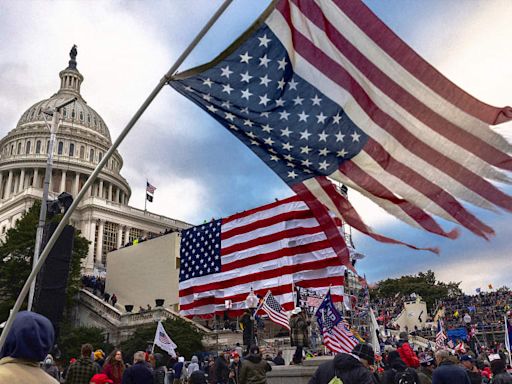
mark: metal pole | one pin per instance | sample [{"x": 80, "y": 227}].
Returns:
[
  {"x": 99, "y": 167},
  {"x": 42, "y": 211}
]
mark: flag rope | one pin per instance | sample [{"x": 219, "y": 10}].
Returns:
[{"x": 99, "y": 167}]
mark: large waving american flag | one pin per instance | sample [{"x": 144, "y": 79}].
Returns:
[
  {"x": 271, "y": 247},
  {"x": 275, "y": 311},
  {"x": 323, "y": 90}
]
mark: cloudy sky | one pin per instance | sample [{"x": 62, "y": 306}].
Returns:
[{"x": 125, "y": 47}]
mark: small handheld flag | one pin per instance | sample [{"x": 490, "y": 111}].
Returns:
[
  {"x": 164, "y": 341},
  {"x": 274, "y": 310}
]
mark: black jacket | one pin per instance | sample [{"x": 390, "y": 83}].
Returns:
[
  {"x": 346, "y": 367},
  {"x": 394, "y": 366}
]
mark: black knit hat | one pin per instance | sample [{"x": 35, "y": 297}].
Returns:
[{"x": 364, "y": 351}]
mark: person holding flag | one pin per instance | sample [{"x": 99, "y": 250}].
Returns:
[
  {"x": 298, "y": 334},
  {"x": 164, "y": 341}
]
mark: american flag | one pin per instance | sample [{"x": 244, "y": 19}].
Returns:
[
  {"x": 336, "y": 333},
  {"x": 274, "y": 310},
  {"x": 440, "y": 335},
  {"x": 267, "y": 248},
  {"x": 150, "y": 188},
  {"x": 322, "y": 89}
]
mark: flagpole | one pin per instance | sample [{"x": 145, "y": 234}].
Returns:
[
  {"x": 65, "y": 219},
  {"x": 146, "y": 196}
]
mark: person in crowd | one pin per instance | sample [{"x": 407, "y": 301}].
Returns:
[
  {"x": 351, "y": 368},
  {"x": 298, "y": 334},
  {"x": 50, "y": 367},
  {"x": 254, "y": 369},
  {"x": 193, "y": 366},
  {"x": 82, "y": 370},
  {"x": 114, "y": 366},
  {"x": 100, "y": 378},
  {"x": 139, "y": 372},
  {"x": 406, "y": 353},
  {"x": 179, "y": 369},
  {"x": 278, "y": 360},
  {"x": 113, "y": 299},
  {"x": 99, "y": 357},
  {"x": 28, "y": 342},
  {"x": 197, "y": 377},
  {"x": 427, "y": 365},
  {"x": 396, "y": 371},
  {"x": 222, "y": 369},
  {"x": 499, "y": 374},
  {"x": 210, "y": 371},
  {"x": 474, "y": 374},
  {"x": 238, "y": 349},
  {"x": 159, "y": 371},
  {"x": 234, "y": 369},
  {"x": 247, "y": 324},
  {"x": 448, "y": 372}
]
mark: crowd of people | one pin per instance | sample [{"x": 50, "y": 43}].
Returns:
[{"x": 148, "y": 237}]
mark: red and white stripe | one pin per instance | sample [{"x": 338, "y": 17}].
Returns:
[
  {"x": 430, "y": 145},
  {"x": 272, "y": 248},
  {"x": 341, "y": 339},
  {"x": 278, "y": 317}
]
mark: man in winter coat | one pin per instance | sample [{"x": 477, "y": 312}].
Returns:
[
  {"x": 28, "y": 342},
  {"x": 351, "y": 368},
  {"x": 139, "y": 372},
  {"x": 447, "y": 372},
  {"x": 474, "y": 374},
  {"x": 396, "y": 371},
  {"x": 499, "y": 374},
  {"x": 82, "y": 370},
  {"x": 222, "y": 369},
  {"x": 298, "y": 334},
  {"x": 406, "y": 353},
  {"x": 254, "y": 369}
]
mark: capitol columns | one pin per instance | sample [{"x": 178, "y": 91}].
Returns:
[
  {"x": 62, "y": 187},
  {"x": 100, "y": 190},
  {"x": 99, "y": 241},
  {"x": 22, "y": 180},
  {"x": 118, "y": 190},
  {"x": 110, "y": 192},
  {"x": 1, "y": 181},
  {"x": 8, "y": 186},
  {"x": 35, "y": 183},
  {"x": 127, "y": 235},
  {"x": 76, "y": 184},
  {"x": 90, "y": 255},
  {"x": 119, "y": 236}
]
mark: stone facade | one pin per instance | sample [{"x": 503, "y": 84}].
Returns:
[{"x": 104, "y": 216}]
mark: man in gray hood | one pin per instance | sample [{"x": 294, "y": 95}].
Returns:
[{"x": 29, "y": 341}]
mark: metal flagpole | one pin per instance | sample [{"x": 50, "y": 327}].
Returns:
[
  {"x": 167, "y": 77},
  {"x": 146, "y": 196}
]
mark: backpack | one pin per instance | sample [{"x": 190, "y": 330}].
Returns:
[
  {"x": 404, "y": 377},
  {"x": 336, "y": 379}
]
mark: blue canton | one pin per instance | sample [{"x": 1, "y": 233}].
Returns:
[
  {"x": 295, "y": 129},
  {"x": 200, "y": 250},
  {"x": 327, "y": 315}
]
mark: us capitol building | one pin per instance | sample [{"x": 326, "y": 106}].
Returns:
[{"x": 103, "y": 216}]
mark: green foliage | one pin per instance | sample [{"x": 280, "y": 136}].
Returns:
[
  {"x": 423, "y": 284},
  {"x": 72, "y": 339},
  {"x": 16, "y": 254},
  {"x": 185, "y": 336}
]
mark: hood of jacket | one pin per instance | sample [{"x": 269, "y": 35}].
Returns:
[
  {"x": 254, "y": 358},
  {"x": 194, "y": 359},
  {"x": 346, "y": 362},
  {"x": 31, "y": 337}
]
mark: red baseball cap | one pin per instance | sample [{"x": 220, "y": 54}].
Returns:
[{"x": 100, "y": 378}]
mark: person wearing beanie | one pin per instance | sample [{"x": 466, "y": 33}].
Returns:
[
  {"x": 28, "y": 342},
  {"x": 159, "y": 371},
  {"x": 406, "y": 353},
  {"x": 474, "y": 374},
  {"x": 254, "y": 369},
  {"x": 99, "y": 357},
  {"x": 396, "y": 371},
  {"x": 351, "y": 368},
  {"x": 50, "y": 368}
]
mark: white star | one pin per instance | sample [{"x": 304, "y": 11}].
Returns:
[
  {"x": 265, "y": 80},
  {"x": 233, "y": 127},
  {"x": 250, "y": 134},
  {"x": 208, "y": 82},
  {"x": 246, "y": 77},
  {"x": 323, "y": 152},
  {"x": 291, "y": 165},
  {"x": 280, "y": 102},
  {"x": 292, "y": 175},
  {"x": 245, "y": 58},
  {"x": 298, "y": 100},
  {"x": 306, "y": 163},
  {"x": 254, "y": 142},
  {"x": 246, "y": 94},
  {"x": 288, "y": 157},
  {"x": 323, "y": 165},
  {"x": 336, "y": 119},
  {"x": 282, "y": 63},
  {"x": 264, "y": 61},
  {"x": 269, "y": 141},
  {"x": 305, "y": 134},
  {"x": 265, "y": 114},
  {"x": 341, "y": 153},
  {"x": 285, "y": 132},
  {"x": 316, "y": 100},
  {"x": 305, "y": 150},
  {"x": 274, "y": 158},
  {"x": 280, "y": 84},
  {"x": 226, "y": 71},
  {"x": 321, "y": 118},
  {"x": 264, "y": 41},
  {"x": 339, "y": 136},
  {"x": 293, "y": 84},
  {"x": 355, "y": 136},
  {"x": 284, "y": 115},
  {"x": 212, "y": 109},
  {"x": 249, "y": 123},
  {"x": 225, "y": 104},
  {"x": 264, "y": 100},
  {"x": 303, "y": 116},
  {"x": 322, "y": 136},
  {"x": 227, "y": 88},
  {"x": 207, "y": 97},
  {"x": 188, "y": 88},
  {"x": 266, "y": 128},
  {"x": 287, "y": 146},
  {"x": 245, "y": 110}
]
